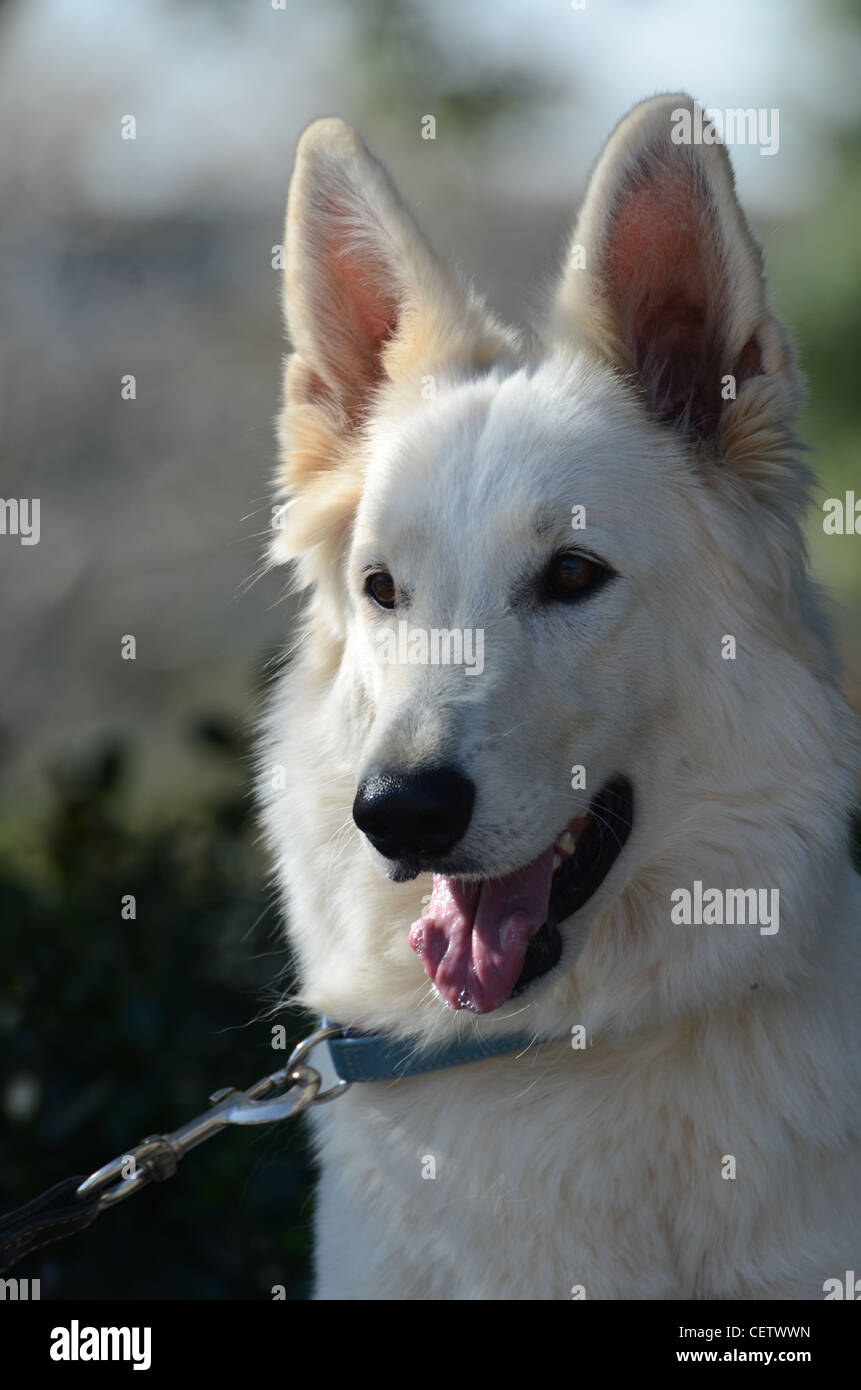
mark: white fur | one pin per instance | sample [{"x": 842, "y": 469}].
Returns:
[{"x": 602, "y": 1167}]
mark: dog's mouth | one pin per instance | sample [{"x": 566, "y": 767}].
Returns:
[{"x": 482, "y": 941}]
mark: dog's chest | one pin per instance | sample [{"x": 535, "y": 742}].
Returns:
[{"x": 494, "y": 1181}]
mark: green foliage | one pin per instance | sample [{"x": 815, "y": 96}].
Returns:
[
  {"x": 410, "y": 61},
  {"x": 116, "y": 1029}
]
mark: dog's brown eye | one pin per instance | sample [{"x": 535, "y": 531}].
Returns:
[
  {"x": 381, "y": 588},
  {"x": 573, "y": 576}
]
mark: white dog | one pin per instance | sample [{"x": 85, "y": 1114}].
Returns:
[{"x": 568, "y": 842}]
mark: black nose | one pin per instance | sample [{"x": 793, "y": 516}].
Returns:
[{"x": 407, "y": 815}]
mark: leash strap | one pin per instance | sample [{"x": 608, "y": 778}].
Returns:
[{"x": 58, "y": 1213}]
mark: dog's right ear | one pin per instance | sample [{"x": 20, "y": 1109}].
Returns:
[
  {"x": 366, "y": 299},
  {"x": 367, "y": 303}
]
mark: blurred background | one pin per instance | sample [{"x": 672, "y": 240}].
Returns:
[{"x": 153, "y": 257}]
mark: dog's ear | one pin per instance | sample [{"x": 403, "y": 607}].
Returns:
[
  {"x": 365, "y": 297},
  {"x": 367, "y": 304},
  {"x": 665, "y": 280}
]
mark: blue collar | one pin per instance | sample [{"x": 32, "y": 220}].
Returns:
[{"x": 379, "y": 1057}]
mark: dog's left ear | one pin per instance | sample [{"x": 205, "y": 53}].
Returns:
[{"x": 665, "y": 280}]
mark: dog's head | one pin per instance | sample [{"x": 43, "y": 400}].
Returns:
[{"x": 526, "y": 562}]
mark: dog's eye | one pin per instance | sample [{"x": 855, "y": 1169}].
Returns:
[
  {"x": 571, "y": 576},
  {"x": 381, "y": 588}
]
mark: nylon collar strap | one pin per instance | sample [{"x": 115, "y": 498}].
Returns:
[{"x": 379, "y": 1057}]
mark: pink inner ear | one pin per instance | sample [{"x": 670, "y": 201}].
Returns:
[
  {"x": 655, "y": 252},
  {"x": 358, "y": 310},
  {"x": 375, "y": 313},
  {"x": 659, "y": 283}
]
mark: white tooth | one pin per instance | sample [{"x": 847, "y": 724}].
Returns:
[
  {"x": 557, "y": 860},
  {"x": 566, "y": 842}
]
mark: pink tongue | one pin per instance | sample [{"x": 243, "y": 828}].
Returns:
[{"x": 473, "y": 937}]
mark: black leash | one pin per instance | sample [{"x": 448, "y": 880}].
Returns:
[
  {"x": 58, "y": 1213},
  {"x": 74, "y": 1204}
]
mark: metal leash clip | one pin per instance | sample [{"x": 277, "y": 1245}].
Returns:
[{"x": 278, "y": 1096}]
